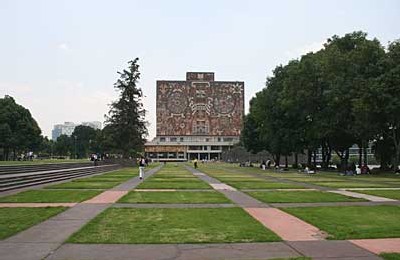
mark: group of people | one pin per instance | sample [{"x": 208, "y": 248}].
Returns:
[{"x": 26, "y": 156}]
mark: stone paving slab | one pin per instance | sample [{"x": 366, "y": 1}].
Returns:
[
  {"x": 26, "y": 251},
  {"x": 243, "y": 200},
  {"x": 180, "y": 251},
  {"x": 378, "y": 246},
  {"x": 331, "y": 250},
  {"x": 114, "y": 252},
  {"x": 35, "y": 205},
  {"x": 333, "y": 204},
  {"x": 109, "y": 196},
  {"x": 160, "y": 205},
  {"x": 132, "y": 183},
  {"x": 286, "y": 226},
  {"x": 361, "y": 196},
  {"x": 81, "y": 212},
  {"x": 222, "y": 186}
]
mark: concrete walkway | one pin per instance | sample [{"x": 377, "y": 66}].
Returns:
[
  {"x": 311, "y": 186},
  {"x": 288, "y": 227},
  {"x": 45, "y": 240},
  {"x": 41, "y": 240}
]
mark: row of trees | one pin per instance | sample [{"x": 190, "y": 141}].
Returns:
[
  {"x": 124, "y": 133},
  {"x": 347, "y": 93}
]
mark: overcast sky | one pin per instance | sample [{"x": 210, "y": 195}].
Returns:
[{"x": 60, "y": 58}]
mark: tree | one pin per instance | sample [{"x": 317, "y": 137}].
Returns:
[
  {"x": 126, "y": 120},
  {"x": 387, "y": 92},
  {"x": 84, "y": 138},
  {"x": 64, "y": 146},
  {"x": 19, "y": 132}
]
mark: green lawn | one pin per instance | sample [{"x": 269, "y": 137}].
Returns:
[
  {"x": 391, "y": 194},
  {"x": 390, "y": 256},
  {"x": 240, "y": 179},
  {"x": 174, "y": 185},
  {"x": 104, "y": 179},
  {"x": 299, "y": 196},
  {"x": 351, "y": 184},
  {"x": 355, "y": 222},
  {"x": 174, "y": 197},
  {"x": 176, "y": 179},
  {"x": 43, "y": 196},
  {"x": 84, "y": 185},
  {"x": 153, "y": 226},
  {"x": 14, "y": 220},
  {"x": 263, "y": 185}
]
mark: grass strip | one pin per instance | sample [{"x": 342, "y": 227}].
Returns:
[
  {"x": 50, "y": 196},
  {"x": 154, "y": 226},
  {"x": 353, "y": 222},
  {"x": 300, "y": 196},
  {"x": 175, "y": 197},
  {"x": 14, "y": 220}
]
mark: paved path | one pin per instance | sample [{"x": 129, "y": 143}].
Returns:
[
  {"x": 41, "y": 240},
  {"x": 286, "y": 226},
  {"x": 311, "y": 186},
  {"x": 45, "y": 240}
]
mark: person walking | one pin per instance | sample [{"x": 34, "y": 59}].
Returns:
[
  {"x": 142, "y": 164},
  {"x": 195, "y": 163}
]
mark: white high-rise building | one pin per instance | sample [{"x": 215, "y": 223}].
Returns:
[
  {"x": 93, "y": 124},
  {"x": 63, "y": 129},
  {"x": 68, "y": 128}
]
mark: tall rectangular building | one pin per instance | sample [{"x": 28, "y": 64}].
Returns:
[{"x": 196, "y": 118}]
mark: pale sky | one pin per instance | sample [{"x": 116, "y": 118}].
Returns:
[{"x": 60, "y": 59}]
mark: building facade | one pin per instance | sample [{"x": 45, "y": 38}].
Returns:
[
  {"x": 68, "y": 128},
  {"x": 196, "y": 118}
]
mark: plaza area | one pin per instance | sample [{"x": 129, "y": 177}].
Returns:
[{"x": 217, "y": 211}]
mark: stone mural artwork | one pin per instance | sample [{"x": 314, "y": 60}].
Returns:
[{"x": 200, "y": 106}]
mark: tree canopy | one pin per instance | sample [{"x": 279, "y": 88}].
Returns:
[
  {"x": 19, "y": 131},
  {"x": 347, "y": 93},
  {"x": 126, "y": 125}
]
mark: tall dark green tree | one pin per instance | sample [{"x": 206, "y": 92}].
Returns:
[
  {"x": 126, "y": 118},
  {"x": 387, "y": 89},
  {"x": 19, "y": 131},
  {"x": 84, "y": 138}
]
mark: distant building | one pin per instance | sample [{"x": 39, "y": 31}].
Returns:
[
  {"x": 196, "y": 118},
  {"x": 62, "y": 129},
  {"x": 93, "y": 124},
  {"x": 68, "y": 128}
]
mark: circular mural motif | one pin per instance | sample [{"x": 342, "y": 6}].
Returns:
[
  {"x": 224, "y": 104},
  {"x": 177, "y": 102}
]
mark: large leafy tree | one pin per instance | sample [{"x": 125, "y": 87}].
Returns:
[
  {"x": 126, "y": 120},
  {"x": 328, "y": 100},
  {"x": 388, "y": 100},
  {"x": 19, "y": 131},
  {"x": 84, "y": 138}
]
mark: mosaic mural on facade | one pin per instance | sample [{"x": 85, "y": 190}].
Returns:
[{"x": 199, "y": 108}]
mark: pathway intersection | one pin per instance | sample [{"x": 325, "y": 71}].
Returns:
[{"x": 50, "y": 239}]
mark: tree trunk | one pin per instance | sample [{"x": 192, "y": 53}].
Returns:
[
  {"x": 296, "y": 159},
  {"x": 360, "y": 153},
  {"x": 365, "y": 149},
  {"x": 329, "y": 156},
  {"x": 315, "y": 159},
  {"x": 286, "y": 162},
  {"x": 309, "y": 155},
  {"x": 277, "y": 159},
  {"x": 323, "y": 153}
]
